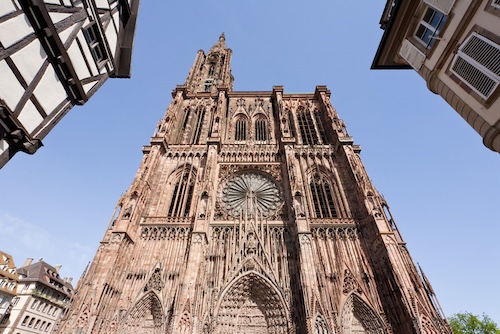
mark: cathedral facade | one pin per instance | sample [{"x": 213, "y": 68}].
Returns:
[{"x": 251, "y": 212}]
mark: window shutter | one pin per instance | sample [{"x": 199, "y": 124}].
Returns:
[
  {"x": 444, "y": 6},
  {"x": 476, "y": 64},
  {"x": 412, "y": 54}
]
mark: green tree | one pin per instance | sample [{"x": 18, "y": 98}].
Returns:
[{"x": 468, "y": 323}]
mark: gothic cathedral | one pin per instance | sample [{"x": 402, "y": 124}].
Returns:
[{"x": 251, "y": 212}]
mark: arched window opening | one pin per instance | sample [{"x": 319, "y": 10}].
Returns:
[
  {"x": 322, "y": 196},
  {"x": 306, "y": 127},
  {"x": 183, "y": 193},
  {"x": 240, "y": 132},
  {"x": 211, "y": 70},
  {"x": 196, "y": 132},
  {"x": 261, "y": 129},
  {"x": 319, "y": 124}
]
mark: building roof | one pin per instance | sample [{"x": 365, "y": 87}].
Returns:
[
  {"x": 8, "y": 270},
  {"x": 46, "y": 274}
]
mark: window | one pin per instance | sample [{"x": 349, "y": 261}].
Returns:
[
  {"x": 37, "y": 323},
  {"x": 260, "y": 129},
  {"x": 496, "y": 3},
  {"x": 430, "y": 26},
  {"x": 34, "y": 303},
  {"x": 476, "y": 64},
  {"x": 96, "y": 48},
  {"x": 25, "y": 320},
  {"x": 196, "y": 130},
  {"x": 48, "y": 326},
  {"x": 208, "y": 86},
  {"x": 240, "y": 130},
  {"x": 182, "y": 195},
  {"x": 306, "y": 127},
  {"x": 211, "y": 70},
  {"x": 321, "y": 191},
  {"x": 319, "y": 124},
  {"x": 30, "y": 324}
]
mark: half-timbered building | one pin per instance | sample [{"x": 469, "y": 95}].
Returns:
[{"x": 55, "y": 54}]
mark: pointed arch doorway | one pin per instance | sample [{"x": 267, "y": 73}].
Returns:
[{"x": 251, "y": 304}]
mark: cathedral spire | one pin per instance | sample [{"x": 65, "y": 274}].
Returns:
[
  {"x": 219, "y": 45},
  {"x": 211, "y": 70}
]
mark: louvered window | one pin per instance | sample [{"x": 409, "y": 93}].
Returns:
[
  {"x": 412, "y": 54},
  {"x": 240, "y": 129},
  {"x": 496, "y": 3},
  {"x": 429, "y": 27},
  {"x": 477, "y": 64},
  {"x": 306, "y": 127},
  {"x": 196, "y": 129},
  {"x": 321, "y": 191},
  {"x": 319, "y": 124},
  {"x": 182, "y": 195},
  {"x": 260, "y": 129}
]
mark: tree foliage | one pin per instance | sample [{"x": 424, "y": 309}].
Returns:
[{"x": 468, "y": 323}]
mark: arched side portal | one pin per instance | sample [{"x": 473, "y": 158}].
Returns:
[
  {"x": 145, "y": 317},
  {"x": 359, "y": 318},
  {"x": 252, "y": 304}
]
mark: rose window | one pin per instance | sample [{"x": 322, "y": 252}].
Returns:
[{"x": 250, "y": 195}]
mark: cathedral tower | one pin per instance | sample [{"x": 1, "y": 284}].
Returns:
[{"x": 251, "y": 212}]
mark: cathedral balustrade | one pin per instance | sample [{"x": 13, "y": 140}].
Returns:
[
  {"x": 249, "y": 153},
  {"x": 332, "y": 221},
  {"x": 318, "y": 150},
  {"x": 162, "y": 220},
  {"x": 165, "y": 232}
]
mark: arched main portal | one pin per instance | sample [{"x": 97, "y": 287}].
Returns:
[{"x": 251, "y": 304}]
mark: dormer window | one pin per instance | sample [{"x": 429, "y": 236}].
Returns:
[{"x": 430, "y": 26}]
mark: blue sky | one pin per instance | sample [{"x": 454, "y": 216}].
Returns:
[{"x": 442, "y": 184}]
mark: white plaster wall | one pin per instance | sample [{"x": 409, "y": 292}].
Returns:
[
  {"x": 11, "y": 90},
  {"x": 65, "y": 34},
  {"x": 78, "y": 62},
  {"x": 50, "y": 91},
  {"x": 102, "y": 4},
  {"x": 6, "y": 7},
  {"x": 15, "y": 29},
  {"x": 3, "y": 146},
  {"x": 112, "y": 38},
  {"x": 87, "y": 53},
  {"x": 88, "y": 87},
  {"x": 57, "y": 17},
  {"x": 29, "y": 59},
  {"x": 29, "y": 117}
]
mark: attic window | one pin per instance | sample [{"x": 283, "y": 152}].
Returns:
[{"x": 92, "y": 36}]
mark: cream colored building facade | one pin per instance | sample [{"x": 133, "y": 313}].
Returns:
[
  {"x": 42, "y": 298},
  {"x": 9, "y": 280},
  {"x": 54, "y": 55},
  {"x": 251, "y": 212},
  {"x": 455, "y": 46}
]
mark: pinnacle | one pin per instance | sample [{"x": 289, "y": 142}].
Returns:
[{"x": 220, "y": 44}]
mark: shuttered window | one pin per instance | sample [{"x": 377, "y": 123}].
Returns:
[
  {"x": 412, "y": 54},
  {"x": 444, "y": 6},
  {"x": 430, "y": 26},
  {"x": 495, "y": 3},
  {"x": 477, "y": 64}
]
